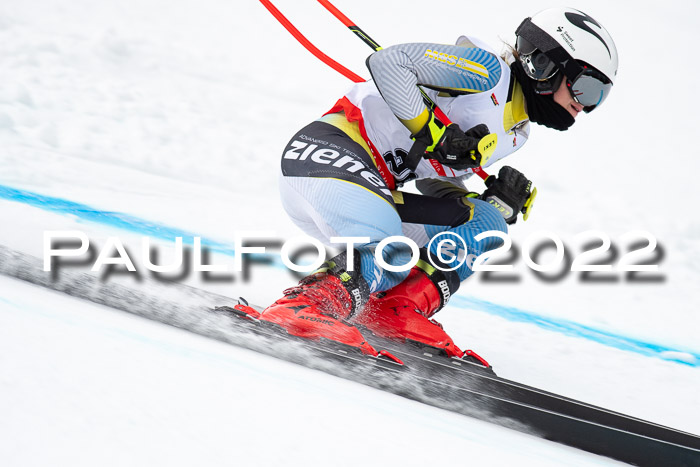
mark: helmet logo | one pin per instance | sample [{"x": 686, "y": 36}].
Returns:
[{"x": 579, "y": 20}]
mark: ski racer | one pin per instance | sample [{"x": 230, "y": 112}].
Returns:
[{"x": 341, "y": 174}]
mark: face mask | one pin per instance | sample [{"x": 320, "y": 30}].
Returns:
[{"x": 541, "y": 108}]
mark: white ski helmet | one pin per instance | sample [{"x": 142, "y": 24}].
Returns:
[{"x": 566, "y": 41}]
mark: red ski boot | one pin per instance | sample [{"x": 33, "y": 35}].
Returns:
[
  {"x": 404, "y": 312},
  {"x": 318, "y": 307}
]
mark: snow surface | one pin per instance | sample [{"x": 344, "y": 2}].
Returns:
[
  {"x": 175, "y": 113},
  {"x": 96, "y": 386}
]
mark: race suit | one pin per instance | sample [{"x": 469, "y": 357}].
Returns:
[{"x": 341, "y": 174}]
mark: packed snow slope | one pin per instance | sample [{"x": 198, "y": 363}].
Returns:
[
  {"x": 168, "y": 118},
  {"x": 153, "y": 395}
]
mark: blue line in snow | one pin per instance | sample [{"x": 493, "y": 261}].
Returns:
[
  {"x": 573, "y": 329},
  {"x": 116, "y": 219},
  {"x": 6, "y": 301},
  {"x": 143, "y": 227}
]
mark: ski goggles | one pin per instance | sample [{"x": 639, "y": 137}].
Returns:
[
  {"x": 590, "y": 88},
  {"x": 547, "y": 62}
]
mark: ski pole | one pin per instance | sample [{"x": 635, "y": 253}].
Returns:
[
  {"x": 486, "y": 146},
  {"x": 485, "y": 142},
  {"x": 308, "y": 45},
  {"x": 347, "y": 73},
  {"x": 488, "y": 141},
  {"x": 376, "y": 47},
  {"x": 352, "y": 26}
]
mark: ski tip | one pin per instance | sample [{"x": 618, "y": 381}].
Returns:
[
  {"x": 471, "y": 355},
  {"x": 240, "y": 310},
  {"x": 388, "y": 355}
]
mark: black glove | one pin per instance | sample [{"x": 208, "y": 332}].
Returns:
[
  {"x": 448, "y": 145},
  {"x": 508, "y": 193}
]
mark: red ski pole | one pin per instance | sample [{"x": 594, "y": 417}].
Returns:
[
  {"x": 308, "y": 45},
  {"x": 337, "y": 66},
  {"x": 352, "y": 26},
  {"x": 375, "y": 46}
]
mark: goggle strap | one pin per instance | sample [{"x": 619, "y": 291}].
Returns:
[{"x": 550, "y": 47}]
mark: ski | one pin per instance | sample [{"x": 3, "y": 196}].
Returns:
[
  {"x": 471, "y": 389},
  {"x": 407, "y": 369}
]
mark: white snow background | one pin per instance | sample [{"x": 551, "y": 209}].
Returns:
[{"x": 176, "y": 113}]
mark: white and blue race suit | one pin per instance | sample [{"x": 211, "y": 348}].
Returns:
[{"x": 340, "y": 175}]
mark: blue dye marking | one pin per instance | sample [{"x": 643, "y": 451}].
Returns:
[
  {"x": 143, "y": 227},
  {"x": 120, "y": 220},
  {"x": 5, "y": 301},
  {"x": 570, "y": 328}
]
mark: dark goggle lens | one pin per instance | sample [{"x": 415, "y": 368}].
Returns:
[{"x": 589, "y": 90}]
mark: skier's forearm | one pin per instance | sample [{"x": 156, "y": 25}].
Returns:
[{"x": 399, "y": 70}]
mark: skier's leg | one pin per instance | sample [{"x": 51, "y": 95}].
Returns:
[
  {"x": 405, "y": 310},
  {"x": 485, "y": 218},
  {"x": 326, "y": 208},
  {"x": 329, "y": 188},
  {"x": 444, "y": 266}
]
